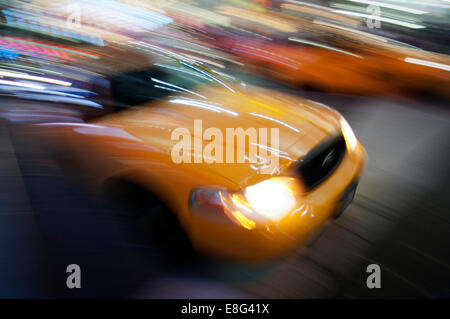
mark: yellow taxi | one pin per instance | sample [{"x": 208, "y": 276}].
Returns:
[{"x": 248, "y": 173}]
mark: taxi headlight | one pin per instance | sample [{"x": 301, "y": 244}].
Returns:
[
  {"x": 349, "y": 136},
  {"x": 273, "y": 198}
]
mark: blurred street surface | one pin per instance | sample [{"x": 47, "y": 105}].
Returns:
[{"x": 399, "y": 220}]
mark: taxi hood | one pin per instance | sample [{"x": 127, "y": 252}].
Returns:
[{"x": 300, "y": 124}]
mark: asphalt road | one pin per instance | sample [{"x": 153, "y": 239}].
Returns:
[{"x": 400, "y": 219}]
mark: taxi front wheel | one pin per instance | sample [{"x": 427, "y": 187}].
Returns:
[{"x": 154, "y": 223}]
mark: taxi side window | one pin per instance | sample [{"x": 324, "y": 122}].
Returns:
[
  {"x": 134, "y": 88},
  {"x": 160, "y": 81}
]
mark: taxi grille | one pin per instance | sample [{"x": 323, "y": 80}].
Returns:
[{"x": 319, "y": 163}]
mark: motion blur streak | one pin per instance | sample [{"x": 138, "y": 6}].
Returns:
[
  {"x": 90, "y": 92},
  {"x": 25, "y": 85},
  {"x": 35, "y": 78},
  {"x": 429, "y": 63}
]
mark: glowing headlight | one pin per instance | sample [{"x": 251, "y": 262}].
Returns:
[
  {"x": 349, "y": 136},
  {"x": 272, "y": 198}
]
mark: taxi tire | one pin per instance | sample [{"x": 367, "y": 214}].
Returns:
[{"x": 155, "y": 224}]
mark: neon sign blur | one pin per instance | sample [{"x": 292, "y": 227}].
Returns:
[{"x": 41, "y": 49}]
